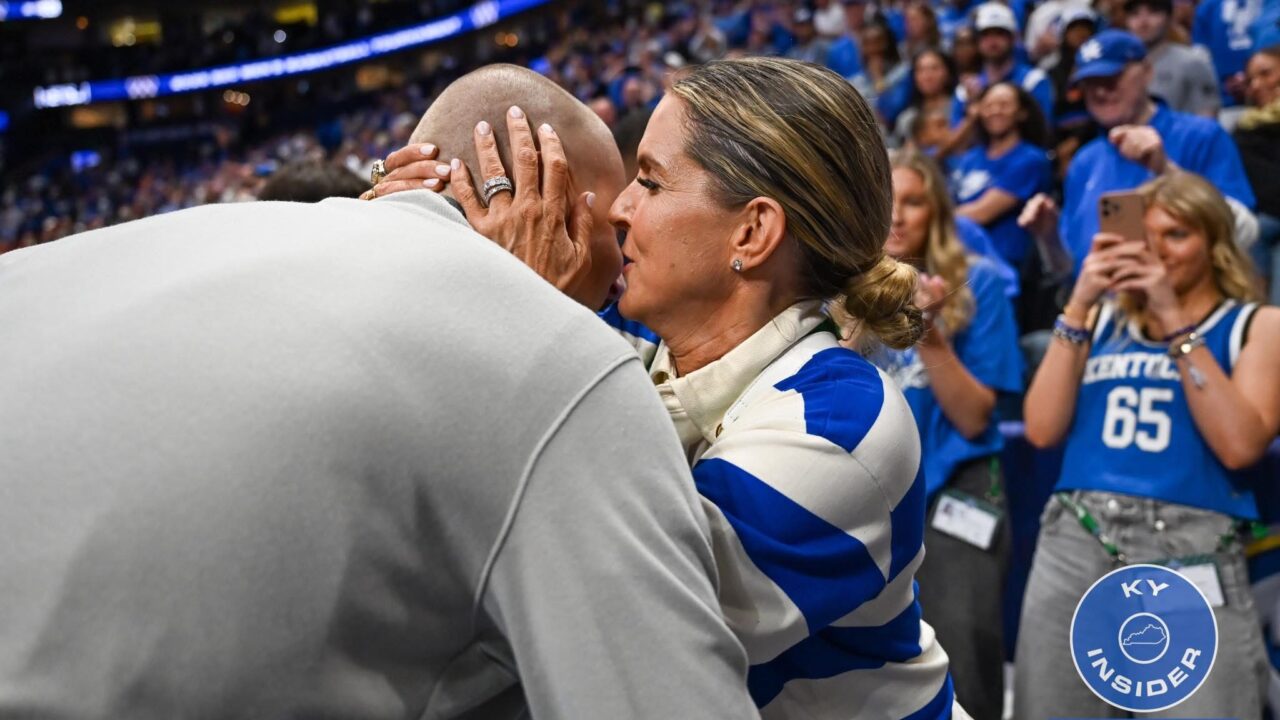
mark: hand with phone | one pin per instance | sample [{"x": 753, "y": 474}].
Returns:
[
  {"x": 1144, "y": 275},
  {"x": 1120, "y": 245},
  {"x": 1122, "y": 260}
]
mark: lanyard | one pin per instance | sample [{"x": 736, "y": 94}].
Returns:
[{"x": 1090, "y": 524}]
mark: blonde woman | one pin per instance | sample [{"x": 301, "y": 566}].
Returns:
[
  {"x": 762, "y": 194},
  {"x": 1163, "y": 382},
  {"x": 968, "y": 354}
]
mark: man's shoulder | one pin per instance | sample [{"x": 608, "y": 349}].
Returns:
[
  {"x": 1088, "y": 155},
  {"x": 1178, "y": 55},
  {"x": 1186, "y": 127}
]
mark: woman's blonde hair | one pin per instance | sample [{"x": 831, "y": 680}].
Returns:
[
  {"x": 801, "y": 135},
  {"x": 1196, "y": 203},
  {"x": 944, "y": 254}
]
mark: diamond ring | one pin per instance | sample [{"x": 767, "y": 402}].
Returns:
[
  {"x": 378, "y": 172},
  {"x": 495, "y": 185}
]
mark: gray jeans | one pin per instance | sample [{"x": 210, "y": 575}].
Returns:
[{"x": 1067, "y": 562}]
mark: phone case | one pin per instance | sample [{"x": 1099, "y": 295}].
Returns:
[{"x": 1122, "y": 213}]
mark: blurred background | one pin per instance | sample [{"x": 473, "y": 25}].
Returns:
[{"x": 112, "y": 110}]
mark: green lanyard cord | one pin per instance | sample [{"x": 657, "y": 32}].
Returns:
[
  {"x": 1090, "y": 525},
  {"x": 993, "y": 472}
]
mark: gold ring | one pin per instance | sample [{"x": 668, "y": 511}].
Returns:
[{"x": 378, "y": 172}]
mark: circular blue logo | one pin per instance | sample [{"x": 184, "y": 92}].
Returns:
[{"x": 1144, "y": 638}]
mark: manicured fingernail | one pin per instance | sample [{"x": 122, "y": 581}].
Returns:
[
  {"x": 432, "y": 182},
  {"x": 427, "y": 149},
  {"x": 547, "y": 129},
  {"x": 455, "y": 163},
  {"x": 516, "y": 112},
  {"x": 591, "y": 199},
  {"x": 483, "y": 128},
  {"x": 442, "y": 169}
]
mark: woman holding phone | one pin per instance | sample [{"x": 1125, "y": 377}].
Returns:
[{"x": 1163, "y": 384}]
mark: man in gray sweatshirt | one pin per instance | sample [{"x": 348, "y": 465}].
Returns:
[{"x": 345, "y": 460}]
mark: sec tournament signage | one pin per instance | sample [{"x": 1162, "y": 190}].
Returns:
[{"x": 1143, "y": 638}]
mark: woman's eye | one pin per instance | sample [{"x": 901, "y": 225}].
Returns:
[{"x": 646, "y": 183}]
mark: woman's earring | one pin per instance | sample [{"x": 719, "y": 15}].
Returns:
[{"x": 736, "y": 265}]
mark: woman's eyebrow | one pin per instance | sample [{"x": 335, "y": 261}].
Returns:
[{"x": 649, "y": 162}]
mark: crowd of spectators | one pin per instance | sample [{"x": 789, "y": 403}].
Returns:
[{"x": 918, "y": 63}]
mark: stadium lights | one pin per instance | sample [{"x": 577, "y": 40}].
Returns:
[
  {"x": 480, "y": 15},
  {"x": 30, "y": 10}
]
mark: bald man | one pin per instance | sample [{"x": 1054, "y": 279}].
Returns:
[
  {"x": 595, "y": 164},
  {"x": 341, "y": 460}
]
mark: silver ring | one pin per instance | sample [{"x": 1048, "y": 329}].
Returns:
[
  {"x": 495, "y": 185},
  {"x": 378, "y": 172}
]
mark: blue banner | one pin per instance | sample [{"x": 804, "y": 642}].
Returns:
[
  {"x": 30, "y": 9},
  {"x": 478, "y": 16}
]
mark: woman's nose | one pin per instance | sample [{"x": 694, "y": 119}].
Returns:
[{"x": 620, "y": 211}]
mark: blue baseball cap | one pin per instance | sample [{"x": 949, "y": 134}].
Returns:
[{"x": 1107, "y": 54}]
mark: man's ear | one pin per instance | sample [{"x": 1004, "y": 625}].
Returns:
[{"x": 762, "y": 228}]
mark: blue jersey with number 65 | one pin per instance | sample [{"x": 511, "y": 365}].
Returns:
[{"x": 1133, "y": 432}]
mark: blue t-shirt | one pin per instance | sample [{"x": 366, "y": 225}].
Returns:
[
  {"x": 1196, "y": 144},
  {"x": 951, "y": 19},
  {"x": 1224, "y": 27},
  {"x": 1022, "y": 172},
  {"x": 988, "y": 347},
  {"x": 978, "y": 242},
  {"x": 1133, "y": 432},
  {"x": 845, "y": 57},
  {"x": 1031, "y": 79}
]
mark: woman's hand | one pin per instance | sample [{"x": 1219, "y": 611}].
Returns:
[
  {"x": 412, "y": 167},
  {"x": 931, "y": 293},
  {"x": 1039, "y": 216},
  {"x": 534, "y": 223},
  {"x": 1142, "y": 273},
  {"x": 1108, "y": 253}
]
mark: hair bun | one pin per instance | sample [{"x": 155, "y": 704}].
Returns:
[{"x": 881, "y": 301}]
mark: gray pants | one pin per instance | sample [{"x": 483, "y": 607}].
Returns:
[
  {"x": 961, "y": 588},
  {"x": 1067, "y": 562}
]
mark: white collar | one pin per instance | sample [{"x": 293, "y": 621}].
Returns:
[{"x": 698, "y": 401}]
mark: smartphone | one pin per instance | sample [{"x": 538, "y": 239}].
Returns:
[{"x": 1121, "y": 213}]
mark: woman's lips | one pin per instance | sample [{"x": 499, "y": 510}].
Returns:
[{"x": 617, "y": 288}]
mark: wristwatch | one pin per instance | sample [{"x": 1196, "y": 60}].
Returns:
[{"x": 1186, "y": 345}]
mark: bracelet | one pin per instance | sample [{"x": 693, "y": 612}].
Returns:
[
  {"x": 1065, "y": 331},
  {"x": 1178, "y": 333},
  {"x": 1192, "y": 341}
]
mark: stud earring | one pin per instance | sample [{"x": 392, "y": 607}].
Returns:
[{"x": 736, "y": 265}]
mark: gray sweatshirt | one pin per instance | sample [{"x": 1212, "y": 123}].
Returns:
[{"x": 342, "y": 460}]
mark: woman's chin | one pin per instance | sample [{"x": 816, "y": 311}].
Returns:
[{"x": 628, "y": 305}]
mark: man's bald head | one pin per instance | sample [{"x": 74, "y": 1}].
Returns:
[
  {"x": 487, "y": 94},
  {"x": 594, "y": 162}
]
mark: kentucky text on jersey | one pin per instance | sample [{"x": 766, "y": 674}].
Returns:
[{"x": 1131, "y": 365}]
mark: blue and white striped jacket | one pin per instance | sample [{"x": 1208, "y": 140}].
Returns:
[{"x": 808, "y": 461}]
